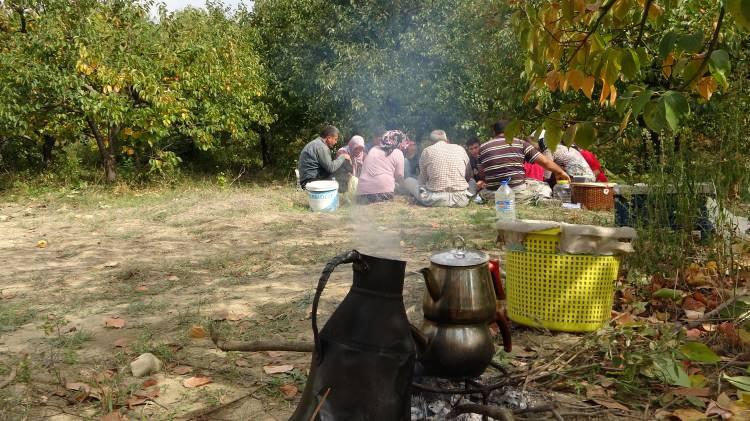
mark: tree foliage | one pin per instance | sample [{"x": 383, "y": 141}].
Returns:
[
  {"x": 104, "y": 73},
  {"x": 614, "y": 63}
]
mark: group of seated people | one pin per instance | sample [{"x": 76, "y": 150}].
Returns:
[{"x": 444, "y": 174}]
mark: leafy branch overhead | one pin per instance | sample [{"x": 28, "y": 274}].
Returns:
[{"x": 609, "y": 64}]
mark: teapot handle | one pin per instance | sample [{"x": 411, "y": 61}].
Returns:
[{"x": 348, "y": 257}]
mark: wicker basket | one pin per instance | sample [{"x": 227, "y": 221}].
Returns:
[{"x": 594, "y": 196}]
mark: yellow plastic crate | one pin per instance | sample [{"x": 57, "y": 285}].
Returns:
[
  {"x": 570, "y": 293},
  {"x": 544, "y": 241}
]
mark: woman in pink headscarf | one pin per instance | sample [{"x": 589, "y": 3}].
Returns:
[
  {"x": 356, "y": 150},
  {"x": 383, "y": 168}
]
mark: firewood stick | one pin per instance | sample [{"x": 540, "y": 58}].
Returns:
[
  {"x": 257, "y": 346},
  {"x": 264, "y": 346}
]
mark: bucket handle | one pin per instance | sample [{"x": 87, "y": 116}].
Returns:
[{"x": 348, "y": 257}]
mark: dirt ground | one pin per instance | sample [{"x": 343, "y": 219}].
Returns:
[{"x": 169, "y": 262}]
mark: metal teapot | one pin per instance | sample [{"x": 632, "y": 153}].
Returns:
[{"x": 459, "y": 303}]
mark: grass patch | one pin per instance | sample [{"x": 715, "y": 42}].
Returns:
[{"x": 13, "y": 316}]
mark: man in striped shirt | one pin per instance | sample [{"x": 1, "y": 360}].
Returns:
[{"x": 500, "y": 160}]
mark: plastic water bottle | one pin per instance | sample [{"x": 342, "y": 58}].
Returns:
[
  {"x": 562, "y": 191},
  {"x": 505, "y": 202}
]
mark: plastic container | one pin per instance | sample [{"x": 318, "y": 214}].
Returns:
[
  {"x": 562, "y": 191},
  {"x": 564, "y": 292},
  {"x": 505, "y": 202},
  {"x": 323, "y": 195}
]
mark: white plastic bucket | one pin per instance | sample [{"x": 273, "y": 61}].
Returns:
[{"x": 323, "y": 195}]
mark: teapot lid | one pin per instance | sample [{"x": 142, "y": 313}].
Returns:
[{"x": 459, "y": 256}]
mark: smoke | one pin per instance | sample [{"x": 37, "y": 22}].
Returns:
[{"x": 376, "y": 232}]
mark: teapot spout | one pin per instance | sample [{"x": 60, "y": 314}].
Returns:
[{"x": 433, "y": 288}]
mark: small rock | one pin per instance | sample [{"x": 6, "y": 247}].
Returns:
[{"x": 145, "y": 364}]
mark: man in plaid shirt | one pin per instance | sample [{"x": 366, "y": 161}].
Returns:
[{"x": 445, "y": 175}]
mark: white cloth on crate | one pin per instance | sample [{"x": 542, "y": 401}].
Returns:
[{"x": 574, "y": 238}]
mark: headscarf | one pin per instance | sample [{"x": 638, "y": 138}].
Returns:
[
  {"x": 393, "y": 139},
  {"x": 357, "y": 158}
]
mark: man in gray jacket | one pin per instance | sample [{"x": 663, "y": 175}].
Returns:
[{"x": 315, "y": 161}]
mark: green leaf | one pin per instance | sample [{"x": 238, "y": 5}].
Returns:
[
  {"x": 740, "y": 382},
  {"x": 641, "y": 100},
  {"x": 666, "y": 44},
  {"x": 670, "y": 371},
  {"x": 654, "y": 116},
  {"x": 567, "y": 10},
  {"x": 719, "y": 65},
  {"x": 691, "y": 43},
  {"x": 675, "y": 108},
  {"x": 630, "y": 64},
  {"x": 673, "y": 294},
  {"x": 740, "y": 10},
  {"x": 585, "y": 135},
  {"x": 512, "y": 130},
  {"x": 552, "y": 133},
  {"x": 720, "y": 61},
  {"x": 697, "y": 351}
]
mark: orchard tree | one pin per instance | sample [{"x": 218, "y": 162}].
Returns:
[
  {"x": 107, "y": 71},
  {"x": 598, "y": 67}
]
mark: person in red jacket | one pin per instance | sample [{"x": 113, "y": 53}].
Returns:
[{"x": 596, "y": 166}]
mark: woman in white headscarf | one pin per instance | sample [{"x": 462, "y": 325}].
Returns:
[{"x": 356, "y": 150}]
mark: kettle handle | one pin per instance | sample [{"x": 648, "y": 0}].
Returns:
[{"x": 348, "y": 257}]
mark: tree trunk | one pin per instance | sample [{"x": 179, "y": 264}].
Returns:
[
  {"x": 106, "y": 150},
  {"x": 265, "y": 147},
  {"x": 47, "y": 148}
]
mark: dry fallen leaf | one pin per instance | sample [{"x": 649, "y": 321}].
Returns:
[
  {"x": 111, "y": 264},
  {"x": 121, "y": 343},
  {"x": 115, "y": 322},
  {"x": 149, "y": 383},
  {"x": 276, "y": 369},
  {"x": 610, "y": 403},
  {"x": 173, "y": 278},
  {"x": 141, "y": 288},
  {"x": 80, "y": 387},
  {"x": 242, "y": 363},
  {"x": 688, "y": 415},
  {"x": 182, "y": 369},
  {"x": 289, "y": 390},
  {"x": 693, "y": 391},
  {"x": 693, "y": 334},
  {"x": 274, "y": 354},
  {"x": 197, "y": 332},
  {"x": 147, "y": 393},
  {"x": 113, "y": 416},
  {"x": 41, "y": 244},
  {"x": 135, "y": 401},
  {"x": 196, "y": 382}
]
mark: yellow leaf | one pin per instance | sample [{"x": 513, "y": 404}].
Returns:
[
  {"x": 130, "y": 151},
  {"x": 655, "y": 11},
  {"x": 41, "y": 244},
  {"x": 575, "y": 78},
  {"x": 605, "y": 92},
  {"x": 706, "y": 88},
  {"x": 666, "y": 67},
  {"x": 588, "y": 86},
  {"x": 552, "y": 80},
  {"x": 562, "y": 81},
  {"x": 612, "y": 95}
]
